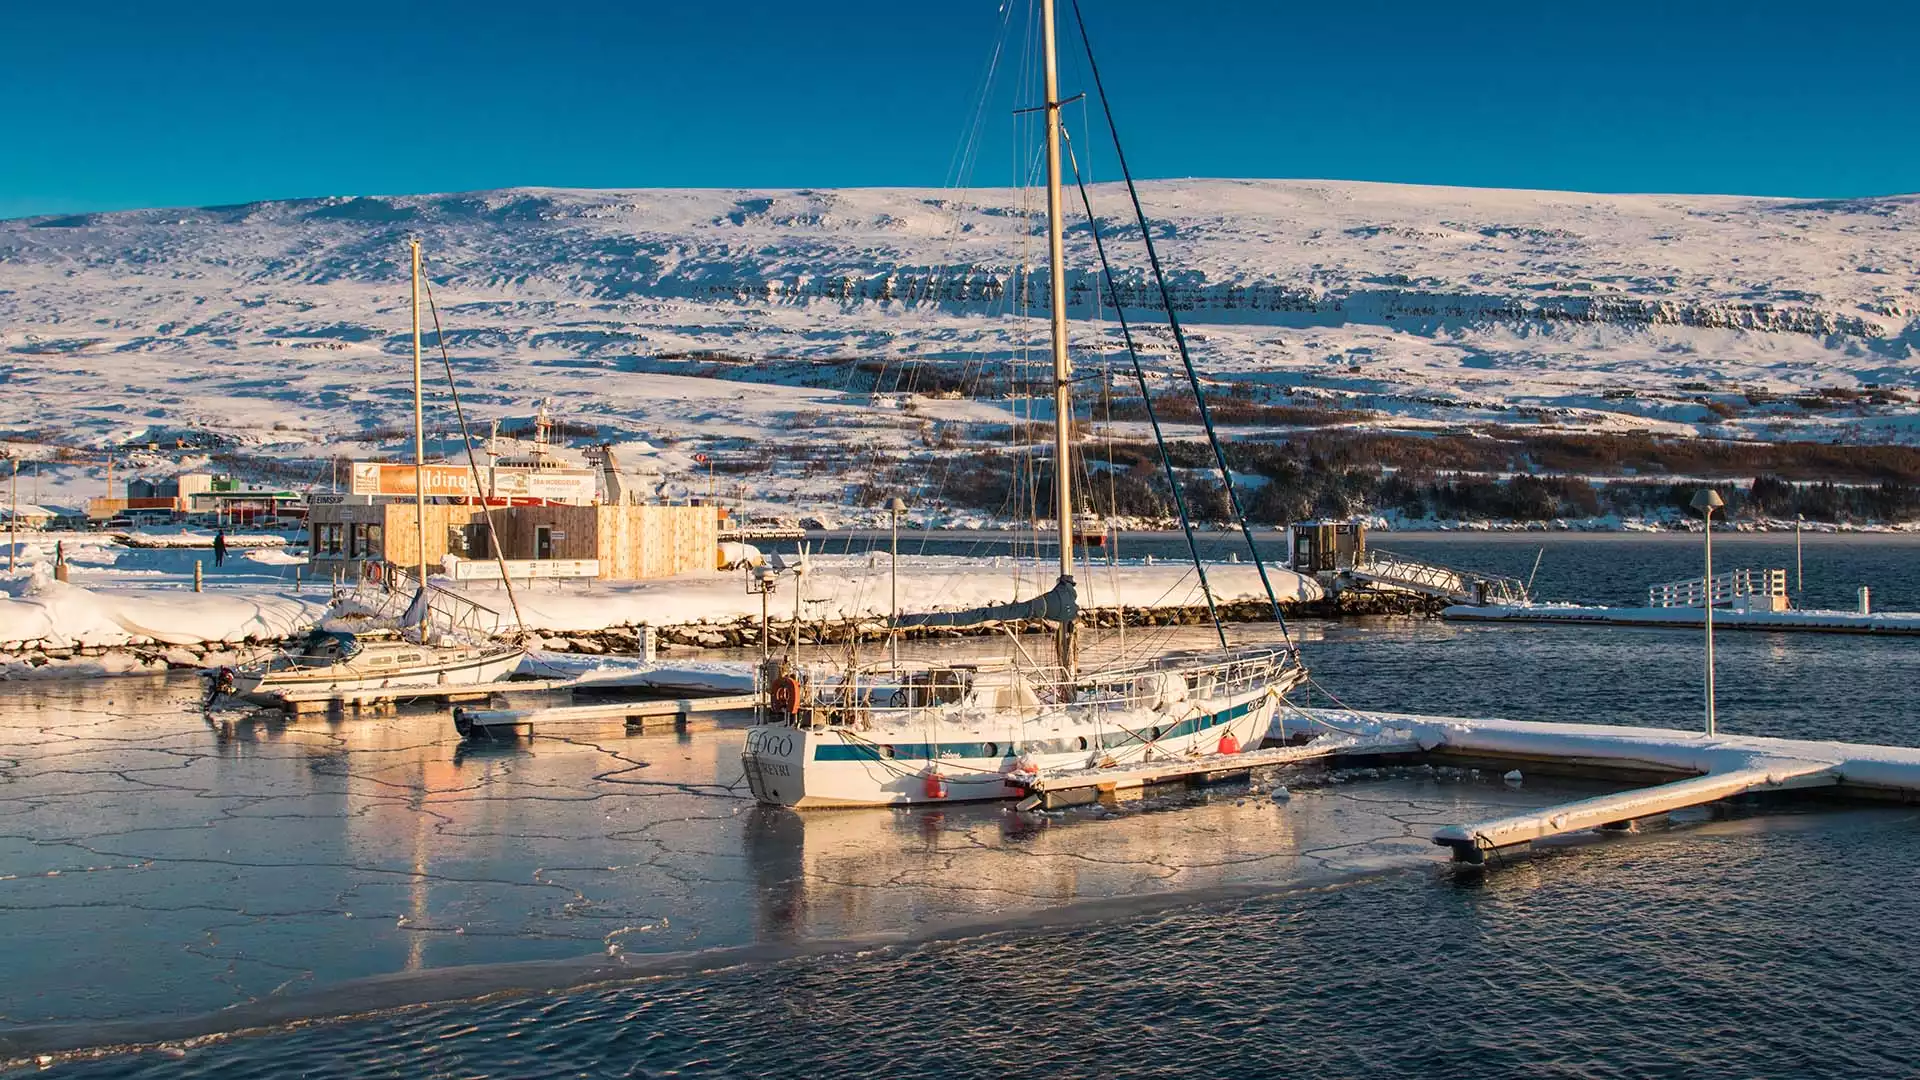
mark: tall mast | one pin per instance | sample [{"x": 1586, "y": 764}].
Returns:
[
  {"x": 419, "y": 443},
  {"x": 1062, "y": 364}
]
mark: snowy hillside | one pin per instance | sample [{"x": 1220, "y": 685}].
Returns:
[{"x": 284, "y": 324}]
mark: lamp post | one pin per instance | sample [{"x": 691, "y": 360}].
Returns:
[
  {"x": 1799, "y": 579},
  {"x": 1707, "y": 500},
  {"x": 894, "y": 509}
]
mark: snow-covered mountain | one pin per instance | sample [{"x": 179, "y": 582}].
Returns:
[{"x": 286, "y": 322}]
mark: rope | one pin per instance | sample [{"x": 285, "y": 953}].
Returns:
[{"x": 1173, "y": 323}]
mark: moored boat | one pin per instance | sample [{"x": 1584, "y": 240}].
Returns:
[{"x": 887, "y": 734}]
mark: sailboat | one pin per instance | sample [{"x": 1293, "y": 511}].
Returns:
[
  {"x": 409, "y": 654},
  {"x": 931, "y": 733}
]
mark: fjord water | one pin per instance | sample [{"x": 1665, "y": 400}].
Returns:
[{"x": 155, "y": 867}]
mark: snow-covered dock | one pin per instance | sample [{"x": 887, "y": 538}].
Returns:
[
  {"x": 1690, "y": 769},
  {"x": 1079, "y": 787},
  {"x": 1831, "y": 622},
  {"x": 484, "y": 723}
]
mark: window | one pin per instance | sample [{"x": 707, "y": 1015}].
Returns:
[{"x": 329, "y": 539}]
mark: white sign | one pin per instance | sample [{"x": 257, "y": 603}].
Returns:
[{"x": 522, "y": 569}]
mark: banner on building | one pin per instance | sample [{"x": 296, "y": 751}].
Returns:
[{"x": 575, "y": 486}]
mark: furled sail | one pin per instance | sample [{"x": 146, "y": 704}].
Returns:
[{"x": 1058, "y": 604}]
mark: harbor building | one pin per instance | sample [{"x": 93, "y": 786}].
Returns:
[{"x": 551, "y": 522}]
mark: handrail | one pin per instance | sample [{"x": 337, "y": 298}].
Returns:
[
  {"x": 1724, "y": 589},
  {"x": 1463, "y": 584}
]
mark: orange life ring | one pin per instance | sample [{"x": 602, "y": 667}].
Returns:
[{"x": 786, "y": 694}]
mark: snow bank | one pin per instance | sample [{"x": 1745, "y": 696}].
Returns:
[
  {"x": 276, "y": 557},
  {"x": 37, "y": 612},
  {"x": 856, "y": 587}
]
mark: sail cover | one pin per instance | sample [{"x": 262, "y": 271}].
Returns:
[
  {"x": 417, "y": 610},
  {"x": 1058, "y": 604}
]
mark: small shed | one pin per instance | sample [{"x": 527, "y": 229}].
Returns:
[{"x": 1325, "y": 547}]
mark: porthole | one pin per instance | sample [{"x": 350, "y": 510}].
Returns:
[
  {"x": 886, "y": 751},
  {"x": 1081, "y": 742},
  {"x": 993, "y": 749},
  {"x": 1155, "y": 736}
]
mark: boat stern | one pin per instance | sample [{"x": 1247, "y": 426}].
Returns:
[{"x": 774, "y": 759}]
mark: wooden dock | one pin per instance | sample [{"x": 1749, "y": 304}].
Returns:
[
  {"x": 304, "y": 700},
  {"x": 669, "y": 712},
  {"x": 1688, "y": 769}
]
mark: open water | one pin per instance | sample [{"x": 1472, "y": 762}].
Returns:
[{"x": 155, "y": 868}]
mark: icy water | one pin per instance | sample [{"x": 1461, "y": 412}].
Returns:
[{"x": 156, "y": 868}]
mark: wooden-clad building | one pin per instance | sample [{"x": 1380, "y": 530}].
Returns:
[{"x": 625, "y": 542}]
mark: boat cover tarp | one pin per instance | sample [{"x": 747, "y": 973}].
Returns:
[
  {"x": 1059, "y": 604},
  {"x": 417, "y": 610}
]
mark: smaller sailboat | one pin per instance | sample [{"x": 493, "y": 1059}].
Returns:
[{"x": 402, "y": 652}]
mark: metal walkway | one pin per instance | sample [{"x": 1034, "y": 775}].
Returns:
[{"x": 1385, "y": 569}]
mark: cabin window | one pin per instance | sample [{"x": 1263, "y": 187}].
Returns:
[
  {"x": 886, "y": 751},
  {"x": 1081, "y": 742},
  {"x": 993, "y": 749}
]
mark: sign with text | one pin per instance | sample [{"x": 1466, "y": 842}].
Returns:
[{"x": 575, "y": 486}]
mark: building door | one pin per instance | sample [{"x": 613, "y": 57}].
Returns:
[{"x": 542, "y": 542}]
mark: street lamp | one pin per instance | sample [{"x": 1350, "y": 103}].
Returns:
[
  {"x": 894, "y": 508},
  {"x": 1707, "y": 500},
  {"x": 1799, "y": 578}
]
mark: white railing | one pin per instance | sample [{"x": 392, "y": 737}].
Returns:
[
  {"x": 1726, "y": 589},
  {"x": 835, "y": 700}
]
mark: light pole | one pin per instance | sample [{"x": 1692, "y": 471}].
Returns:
[
  {"x": 894, "y": 508},
  {"x": 1799, "y": 579},
  {"x": 1707, "y": 500}
]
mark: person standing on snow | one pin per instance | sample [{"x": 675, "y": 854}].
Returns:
[{"x": 219, "y": 547}]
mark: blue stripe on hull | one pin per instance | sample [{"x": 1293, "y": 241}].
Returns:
[{"x": 934, "y": 751}]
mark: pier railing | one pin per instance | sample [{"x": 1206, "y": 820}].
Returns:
[{"x": 1726, "y": 589}]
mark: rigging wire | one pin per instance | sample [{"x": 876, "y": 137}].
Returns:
[
  {"x": 1140, "y": 375},
  {"x": 466, "y": 437},
  {"x": 1173, "y": 324}
]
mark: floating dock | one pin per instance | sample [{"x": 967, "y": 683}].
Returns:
[
  {"x": 303, "y": 700},
  {"x": 1688, "y": 769},
  {"x": 1891, "y": 623},
  {"x": 498, "y": 723},
  {"x": 1741, "y": 600},
  {"x": 1052, "y": 790}
]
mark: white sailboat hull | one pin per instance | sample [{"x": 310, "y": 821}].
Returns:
[
  {"x": 806, "y": 768},
  {"x": 430, "y": 667}
]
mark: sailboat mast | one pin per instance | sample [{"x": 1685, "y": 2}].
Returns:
[
  {"x": 419, "y": 442},
  {"x": 1062, "y": 363}
]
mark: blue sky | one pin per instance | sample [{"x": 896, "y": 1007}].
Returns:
[{"x": 113, "y": 105}]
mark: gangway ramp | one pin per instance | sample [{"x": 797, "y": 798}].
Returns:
[{"x": 1385, "y": 569}]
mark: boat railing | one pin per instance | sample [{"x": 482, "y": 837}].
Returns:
[
  {"x": 448, "y": 610},
  {"x": 1161, "y": 682}
]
